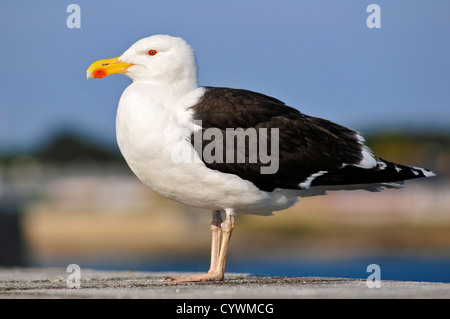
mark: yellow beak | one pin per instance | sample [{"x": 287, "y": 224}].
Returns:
[{"x": 103, "y": 68}]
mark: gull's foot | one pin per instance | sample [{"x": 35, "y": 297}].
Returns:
[{"x": 198, "y": 278}]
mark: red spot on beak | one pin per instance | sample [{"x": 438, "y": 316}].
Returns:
[{"x": 98, "y": 74}]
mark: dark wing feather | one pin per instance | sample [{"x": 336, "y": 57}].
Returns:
[{"x": 307, "y": 144}]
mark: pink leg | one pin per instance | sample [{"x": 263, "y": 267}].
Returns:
[
  {"x": 216, "y": 237},
  {"x": 217, "y": 269}
]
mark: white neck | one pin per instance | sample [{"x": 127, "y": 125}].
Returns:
[
  {"x": 180, "y": 87},
  {"x": 172, "y": 97}
]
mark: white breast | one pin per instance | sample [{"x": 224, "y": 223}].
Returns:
[{"x": 148, "y": 127}]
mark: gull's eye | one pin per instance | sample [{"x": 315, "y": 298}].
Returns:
[{"x": 152, "y": 52}]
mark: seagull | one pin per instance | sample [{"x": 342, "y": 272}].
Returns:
[{"x": 208, "y": 147}]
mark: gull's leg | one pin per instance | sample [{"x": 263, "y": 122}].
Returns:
[
  {"x": 215, "y": 242},
  {"x": 227, "y": 229},
  {"x": 217, "y": 268}
]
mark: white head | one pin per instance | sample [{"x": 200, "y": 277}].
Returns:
[{"x": 161, "y": 59}]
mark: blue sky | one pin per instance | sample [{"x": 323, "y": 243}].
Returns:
[{"x": 318, "y": 56}]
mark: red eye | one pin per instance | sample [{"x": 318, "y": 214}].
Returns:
[{"x": 152, "y": 52}]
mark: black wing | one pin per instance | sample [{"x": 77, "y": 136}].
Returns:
[{"x": 307, "y": 145}]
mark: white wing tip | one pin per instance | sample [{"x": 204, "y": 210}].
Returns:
[
  {"x": 307, "y": 183},
  {"x": 425, "y": 172}
]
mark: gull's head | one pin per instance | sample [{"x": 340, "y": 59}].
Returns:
[{"x": 159, "y": 58}]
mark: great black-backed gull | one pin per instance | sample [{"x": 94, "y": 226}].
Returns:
[{"x": 176, "y": 138}]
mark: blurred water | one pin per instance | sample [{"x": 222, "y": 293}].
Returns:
[{"x": 392, "y": 268}]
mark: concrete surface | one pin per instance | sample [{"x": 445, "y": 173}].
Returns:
[{"x": 52, "y": 283}]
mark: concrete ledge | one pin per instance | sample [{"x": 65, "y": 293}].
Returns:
[{"x": 51, "y": 283}]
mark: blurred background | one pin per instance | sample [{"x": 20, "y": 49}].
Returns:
[{"x": 67, "y": 196}]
